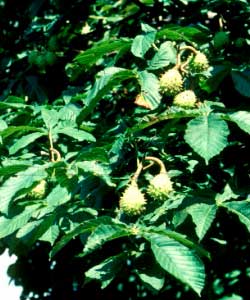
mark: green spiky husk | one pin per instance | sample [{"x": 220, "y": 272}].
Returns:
[
  {"x": 171, "y": 82},
  {"x": 132, "y": 201}
]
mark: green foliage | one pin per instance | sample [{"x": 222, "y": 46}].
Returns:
[{"x": 83, "y": 110}]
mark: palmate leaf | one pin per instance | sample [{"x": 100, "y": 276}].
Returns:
[
  {"x": 242, "y": 119},
  {"x": 107, "y": 79},
  {"x": 107, "y": 270},
  {"x": 203, "y": 215},
  {"x": 207, "y": 135},
  {"x": 104, "y": 233},
  {"x": 164, "y": 56},
  {"x": 149, "y": 88},
  {"x": 25, "y": 141},
  {"x": 241, "y": 209},
  {"x": 179, "y": 261},
  {"x": 22, "y": 180}
]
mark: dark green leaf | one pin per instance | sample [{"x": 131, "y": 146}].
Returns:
[
  {"x": 98, "y": 154},
  {"x": 242, "y": 82},
  {"x": 107, "y": 270},
  {"x": 218, "y": 74},
  {"x": 12, "y": 169},
  {"x": 151, "y": 274}
]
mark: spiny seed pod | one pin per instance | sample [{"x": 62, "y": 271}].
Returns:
[
  {"x": 132, "y": 201},
  {"x": 39, "y": 191},
  {"x": 160, "y": 186},
  {"x": 185, "y": 99},
  {"x": 199, "y": 63},
  {"x": 171, "y": 82}
]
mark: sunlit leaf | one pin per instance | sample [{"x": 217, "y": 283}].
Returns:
[{"x": 207, "y": 135}]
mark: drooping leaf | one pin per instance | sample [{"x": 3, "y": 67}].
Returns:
[
  {"x": 241, "y": 209},
  {"x": 107, "y": 79},
  {"x": 106, "y": 271},
  {"x": 22, "y": 180},
  {"x": 102, "y": 234},
  {"x": 149, "y": 88},
  {"x": 242, "y": 119},
  {"x": 164, "y": 56},
  {"x": 10, "y": 225},
  {"x": 179, "y": 261},
  {"x": 79, "y": 135},
  {"x": 218, "y": 74},
  {"x": 143, "y": 42},
  {"x": 242, "y": 82},
  {"x": 25, "y": 141},
  {"x": 207, "y": 135},
  {"x": 203, "y": 215}
]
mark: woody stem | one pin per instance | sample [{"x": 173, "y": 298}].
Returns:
[{"x": 159, "y": 162}]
